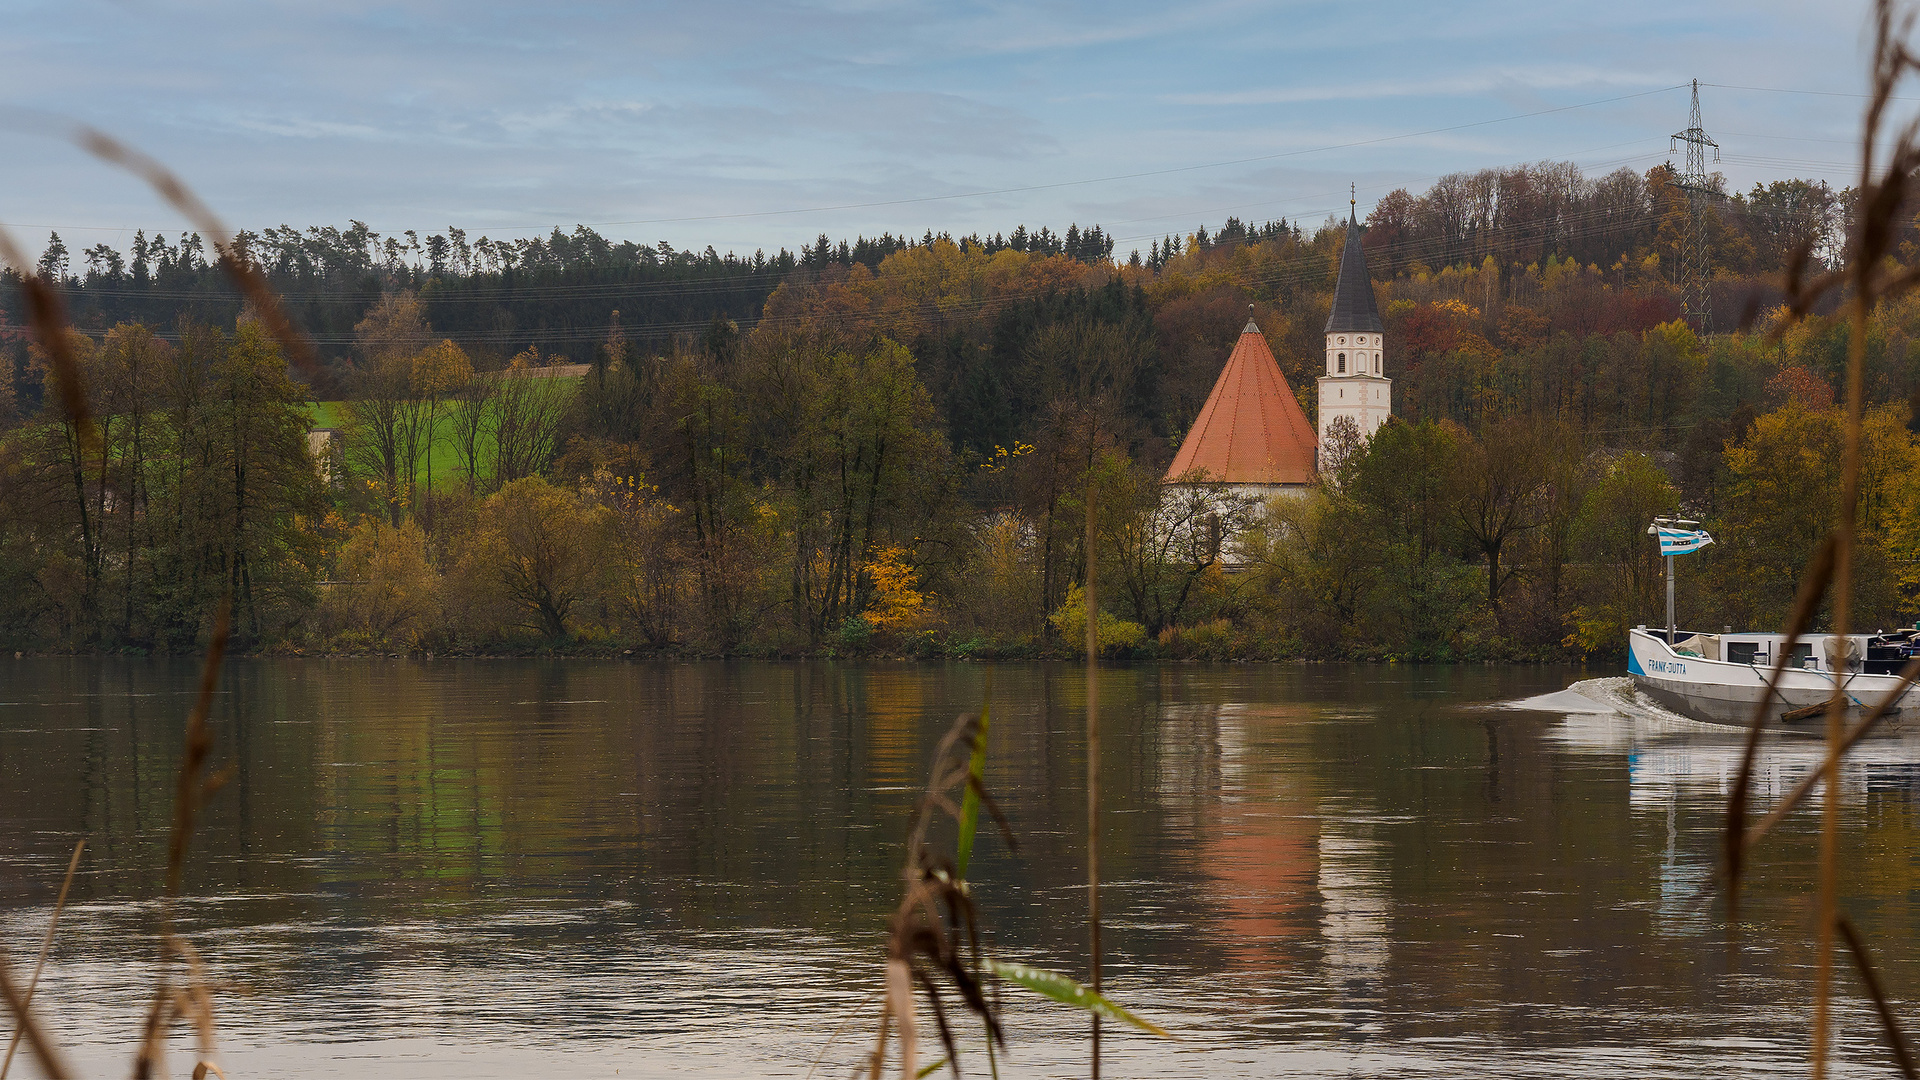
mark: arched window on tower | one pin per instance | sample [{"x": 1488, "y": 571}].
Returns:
[
  {"x": 1343, "y": 364},
  {"x": 1376, "y": 363}
]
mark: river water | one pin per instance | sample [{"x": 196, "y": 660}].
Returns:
[{"x": 584, "y": 869}]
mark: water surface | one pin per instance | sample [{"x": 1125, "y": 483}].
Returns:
[{"x": 583, "y": 869}]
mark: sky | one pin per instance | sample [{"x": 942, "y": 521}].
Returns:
[{"x": 758, "y": 125}]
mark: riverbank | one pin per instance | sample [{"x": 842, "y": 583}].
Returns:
[{"x": 1174, "y": 651}]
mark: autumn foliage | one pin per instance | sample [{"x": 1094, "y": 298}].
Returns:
[{"x": 886, "y": 445}]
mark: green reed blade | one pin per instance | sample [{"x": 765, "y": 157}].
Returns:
[
  {"x": 970, "y": 802},
  {"x": 929, "y": 1069},
  {"x": 1067, "y": 992}
]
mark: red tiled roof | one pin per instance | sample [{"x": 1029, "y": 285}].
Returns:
[{"x": 1251, "y": 430}]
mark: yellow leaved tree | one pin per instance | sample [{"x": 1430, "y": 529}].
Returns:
[
  {"x": 896, "y": 607},
  {"x": 438, "y": 370}
]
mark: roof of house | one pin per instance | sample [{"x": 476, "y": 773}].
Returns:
[
  {"x": 1354, "y": 310},
  {"x": 1252, "y": 429}
]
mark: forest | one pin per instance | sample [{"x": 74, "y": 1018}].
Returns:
[{"x": 886, "y": 446}]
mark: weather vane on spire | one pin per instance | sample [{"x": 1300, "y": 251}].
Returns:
[{"x": 1353, "y": 194}]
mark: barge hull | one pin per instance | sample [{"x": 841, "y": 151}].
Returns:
[{"x": 1720, "y": 692}]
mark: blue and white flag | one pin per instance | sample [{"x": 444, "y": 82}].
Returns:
[{"x": 1681, "y": 541}]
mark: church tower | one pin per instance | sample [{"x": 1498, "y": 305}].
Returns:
[{"x": 1353, "y": 386}]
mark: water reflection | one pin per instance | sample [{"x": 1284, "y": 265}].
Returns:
[
  {"x": 1681, "y": 773},
  {"x": 1352, "y": 883},
  {"x": 475, "y": 869},
  {"x": 1669, "y": 756}
]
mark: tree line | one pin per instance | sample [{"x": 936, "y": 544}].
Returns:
[
  {"x": 557, "y": 293},
  {"x": 889, "y": 447}
]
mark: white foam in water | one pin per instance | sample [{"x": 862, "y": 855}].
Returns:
[
  {"x": 1612, "y": 696},
  {"x": 1577, "y": 698}
]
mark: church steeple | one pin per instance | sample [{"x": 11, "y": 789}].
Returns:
[
  {"x": 1354, "y": 388},
  {"x": 1354, "y": 310}
]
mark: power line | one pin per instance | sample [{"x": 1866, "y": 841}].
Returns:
[
  {"x": 1172, "y": 171},
  {"x": 1018, "y": 189},
  {"x": 1133, "y": 175},
  {"x": 1809, "y": 93}
]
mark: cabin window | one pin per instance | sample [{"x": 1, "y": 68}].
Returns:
[
  {"x": 1343, "y": 363},
  {"x": 1802, "y": 653},
  {"x": 1742, "y": 652}
]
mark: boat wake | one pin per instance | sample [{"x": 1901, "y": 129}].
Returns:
[
  {"x": 1615, "y": 695},
  {"x": 1669, "y": 754}
]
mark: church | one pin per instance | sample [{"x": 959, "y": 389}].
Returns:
[{"x": 1252, "y": 438}]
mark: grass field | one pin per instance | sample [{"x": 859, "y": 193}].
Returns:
[{"x": 447, "y": 472}]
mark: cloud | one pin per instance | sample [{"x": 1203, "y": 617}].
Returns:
[
  {"x": 502, "y": 113},
  {"x": 1483, "y": 83}
]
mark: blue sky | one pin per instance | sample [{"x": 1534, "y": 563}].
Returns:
[{"x": 731, "y": 123}]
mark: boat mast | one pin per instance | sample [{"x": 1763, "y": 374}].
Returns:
[
  {"x": 1654, "y": 531},
  {"x": 1669, "y": 599}
]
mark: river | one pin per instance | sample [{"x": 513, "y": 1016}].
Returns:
[{"x": 597, "y": 869}]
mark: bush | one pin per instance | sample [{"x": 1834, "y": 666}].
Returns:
[
  {"x": 388, "y": 595},
  {"x": 1215, "y": 640},
  {"x": 535, "y": 550},
  {"x": 856, "y": 634},
  {"x": 1118, "y": 637}
]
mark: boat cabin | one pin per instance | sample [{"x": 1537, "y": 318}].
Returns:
[{"x": 1886, "y": 653}]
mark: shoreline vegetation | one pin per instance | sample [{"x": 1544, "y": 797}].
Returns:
[{"x": 882, "y": 448}]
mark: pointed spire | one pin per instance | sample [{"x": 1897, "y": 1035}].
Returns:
[{"x": 1354, "y": 308}]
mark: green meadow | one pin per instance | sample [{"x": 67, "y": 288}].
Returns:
[{"x": 447, "y": 471}]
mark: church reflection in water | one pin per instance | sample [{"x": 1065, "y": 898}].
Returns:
[{"x": 1291, "y": 871}]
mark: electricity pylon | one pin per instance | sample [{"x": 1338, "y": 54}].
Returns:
[{"x": 1696, "y": 263}]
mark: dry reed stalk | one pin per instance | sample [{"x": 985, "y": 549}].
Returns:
[
  {"x": 845, "y": 1022},
  {"x": 1882, "y": 193},
  {"x": 46, "y": 946},
  {"x": 52, "y": 1062},
  {"x": 236, "y": 262},
  {"x": 1792, "y": 800},
  {"x": 934, "y": 934},
  {"x": 1093, "y": 772},
  {"x": 47, "y": 315},
  {"x": 1812, "y": 589},
  {"x": 194, "y": 1000},
  {"x": 194, "y": 784},
  {"x": 1889, "y": 1023},
  {"x": 48, "y": 318}
]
